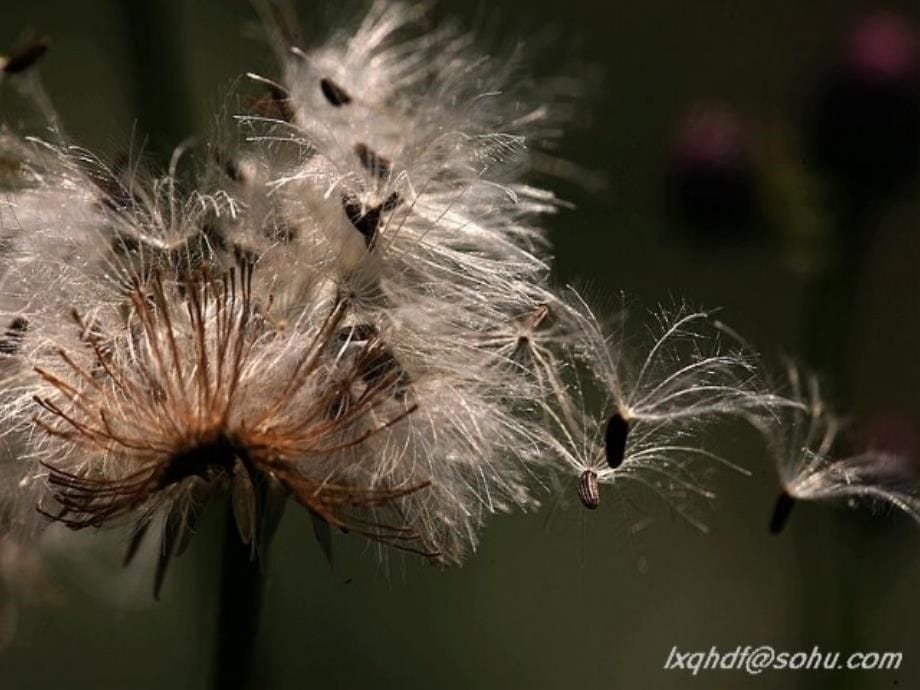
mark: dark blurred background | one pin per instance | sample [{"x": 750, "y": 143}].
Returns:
[{"x": 760, "y": 157}]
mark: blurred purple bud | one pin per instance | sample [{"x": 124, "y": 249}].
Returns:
[
  {"x": 865, "y": 124},
  {"x": 711, "y": 178},
  {"x": 883, "y": 46}
]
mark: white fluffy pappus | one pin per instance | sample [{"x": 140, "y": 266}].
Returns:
[
  {"x": 150, "y": 329},
  {"x": 393, "y": 158},
  {"x": 811, "y": 466},
  {"x": 150, "y": 380},
  {"x": 74, "y": 233},
  {"x": 656, "y": 409},
  {"x": 354, "y": 311},
  {"x": 397, "y": 152},
  {"x": 134, "y": 366}
]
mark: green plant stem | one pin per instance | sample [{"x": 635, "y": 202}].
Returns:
[{"x": 239, "y": 606}]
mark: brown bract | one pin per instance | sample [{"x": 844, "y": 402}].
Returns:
[{"x": 200, "y": 389}]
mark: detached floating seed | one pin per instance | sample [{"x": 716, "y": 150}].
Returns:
[
  {"x": 335, "y": 94},
  {"x": 784, "y": 505},
  {"x": 25, "y": 56},
  {"x": 615, "y": 440},
  {"x": 588, "y": 490}
]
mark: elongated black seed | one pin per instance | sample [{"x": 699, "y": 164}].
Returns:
[
  {"x": 24, "y": 57},
  {"x": 334, "y": 93},
  {"x": 784, "y": 505},
  {"x": 615, "y": 440},
  {"x": 391, "y": 202},
  {"x": 588, "y": 490},
  {"x": 373, "y": 162},
  {"x": 367, "y": 222},
  {"x": 12, "y": 338}
]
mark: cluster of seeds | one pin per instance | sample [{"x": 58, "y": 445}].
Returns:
[{"x": 350, "y": 306}]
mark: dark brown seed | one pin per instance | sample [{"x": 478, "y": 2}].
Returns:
[
  {"x": 26, "y": 56},
  {"x": 391, "y": 202},
  {"x": 588, "y": 490},
  {"x": 367, "y": 222},
  {"x": 781, "y": 510},
  {"x": 11, "y": 340},
  {"x": 615, "y": 440},
  {"x": 334, "y": 93},
  {"x": 373, "y": 162}
]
